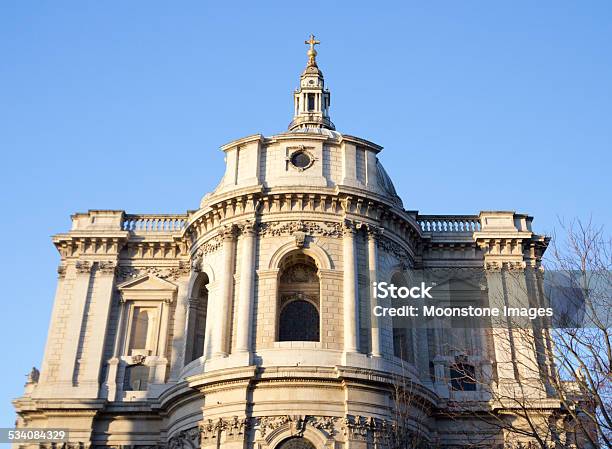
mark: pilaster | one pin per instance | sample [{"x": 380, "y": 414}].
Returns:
[
  {"x": 351, "y": 298},
  {"x": 374, "y": 234},
  {"x": 221, "y": 344}
]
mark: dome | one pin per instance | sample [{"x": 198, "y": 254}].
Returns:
[
  {"x": 384, "y": 180},
  {"x": 316, "y": 130}
]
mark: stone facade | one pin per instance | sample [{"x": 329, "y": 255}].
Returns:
[{"x": 310, "y": 195}]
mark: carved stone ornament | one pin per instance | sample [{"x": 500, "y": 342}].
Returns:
[
  {"x": 297, "y": 424},
  {"x": 358, "y": 427},
  {"x": 299, "y": 273},
  {"x": 395, "y": 250},
  {"x": 210, "y": 246},
  {"x": 230, "y": 427},
  {"x": 300, "y": 238},
  {"x": 33, "y": 376},
  {"x": 374, "y": 232},
  {"x": 116, "y": 446},
  {"x": 348, "y": 228},
  {"x": 83, "y": 266},
  {"x": 228, "y": 232},
  {"x": 61, "y": 271},
  {"x": 107, "y": 267},
  {"x": 316, "y": 228},
  {"x": 185, "y": 439},
  {"x": 174, "y": 273},
  {"x": 138, "y": 359},
  {"x": 248, "y": 227},
  {"x": 496, "y": 265},
  {"x": 64, "y": 445}
]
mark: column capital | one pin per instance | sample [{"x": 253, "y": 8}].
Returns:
[
  {"x": 83, "y": 266},
  {"x": 107, "y": 267},
  {"x": 228, "y": 232},
  {"x": 248, "y": 227},
  {"x": 349, "y": 228},
  {"x": 374, "y": 232}
]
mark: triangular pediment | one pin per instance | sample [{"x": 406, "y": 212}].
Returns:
[{"x": 147, "y": 282}]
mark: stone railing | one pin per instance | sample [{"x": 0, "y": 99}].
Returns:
[
  {"x": 154, "y": 222},
  {"x": 449, "y": 223}
]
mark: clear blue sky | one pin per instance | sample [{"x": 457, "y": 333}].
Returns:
[{"x": 123, "y": 105}]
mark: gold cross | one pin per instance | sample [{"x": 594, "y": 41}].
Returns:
[{"x": 312, "y": 42}]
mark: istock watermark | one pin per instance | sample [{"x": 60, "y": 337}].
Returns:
[
  {"x": 386, "y": 290},
  {"x": 476, "y": 298}
]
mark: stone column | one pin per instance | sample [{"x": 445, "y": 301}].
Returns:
[
  {"x": 376, "y": 334},
  {"x": 351, "y": 298},
  {"x": 245, "y": 297},
  {"x": 221, "y": 342}
]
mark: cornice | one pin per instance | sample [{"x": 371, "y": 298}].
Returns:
[
  {"x": 321, "y": 206},
  {"x": 361, "y": 141},
  {"x": 242, "y": 141},
  {"x": 89, "y": 243}
]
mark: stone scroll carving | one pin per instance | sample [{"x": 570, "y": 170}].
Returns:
[
  {"x": 283, "y": 228},
  {"x": 83, "y": 267},
  {"x": 232, "y": 428},
  {"x": 297, "y": 424},
  {"x": 173, "y": 273},
  {"x": 212, "y": 245},
  {"x": 394, "y": 249},
  {"x": 185, "y": 439}
]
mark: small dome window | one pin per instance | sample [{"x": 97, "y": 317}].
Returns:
[{"x": 301, "y": 159}]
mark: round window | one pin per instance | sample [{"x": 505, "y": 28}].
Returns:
[{"x": 300, "y": 159}]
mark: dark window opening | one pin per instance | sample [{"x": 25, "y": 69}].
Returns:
[
  {"x": 299, "y": 321},
  {"x": 311, "y": 102},
  {"x": 399, "y": 343},
  {"x": 300, "y": 159},
  {"x": 463, "y": 377},
  {"x": 136, "y": 378},
  {"x": 198, "y": 331}
]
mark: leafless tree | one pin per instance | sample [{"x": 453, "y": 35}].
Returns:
[{"x": 558, "y": 393}]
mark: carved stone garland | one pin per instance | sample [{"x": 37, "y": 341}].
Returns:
[
  {"x": 185, "y": 439},
  {"x": 283, "y": 228},
  {"x": 173, "y": 273}
]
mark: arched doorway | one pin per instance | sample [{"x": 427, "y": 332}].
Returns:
[{"x": 296, "y": 443}]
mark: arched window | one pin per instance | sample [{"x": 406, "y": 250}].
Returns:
[
  {"x": 296, "y": 443},
  {"x": 463, "y": 377},
  {"x": 198, "y": 327},
  {"x": 298, "y": 295}
]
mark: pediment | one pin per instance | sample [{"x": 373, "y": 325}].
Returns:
[{"x": 148, "y": 283}]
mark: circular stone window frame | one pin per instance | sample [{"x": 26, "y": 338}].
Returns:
[{"x": 298, "y": 150}]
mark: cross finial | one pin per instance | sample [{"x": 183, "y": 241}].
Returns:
[
  {"x": 312, "y": 41},
  {"x": 312, "y": 53}
]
